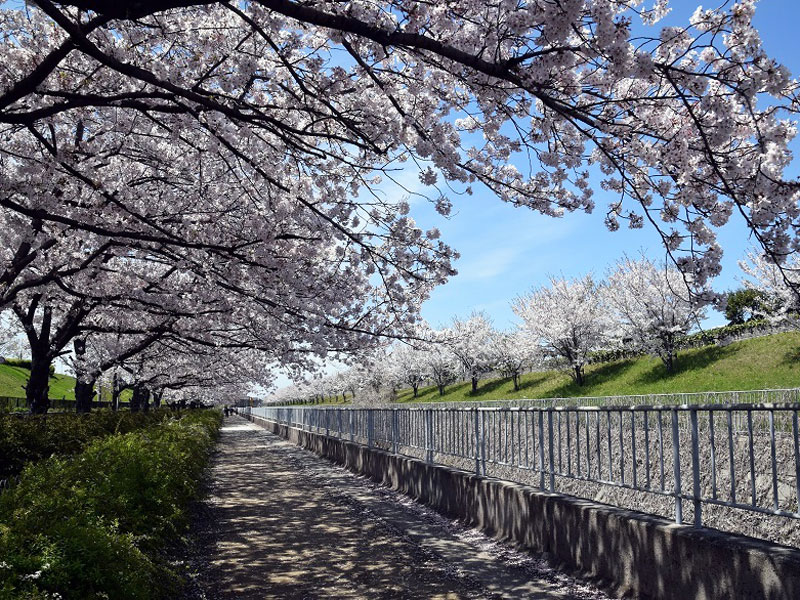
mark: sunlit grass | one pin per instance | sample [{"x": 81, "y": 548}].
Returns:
[
  {"x": 13, "y": 380},
  {"x": 769, "y": 362}
]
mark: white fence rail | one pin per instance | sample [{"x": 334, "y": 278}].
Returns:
[
  {"x": 774, "y": 396},
  {"x": 744, "y": 456}
]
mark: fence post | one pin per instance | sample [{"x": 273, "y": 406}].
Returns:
[
  {"x": 676, "y": 467},
  {"x": 698, "y": 516},
  {"x": 796, "y": 457},
  {"x": 350, "y": 422},
  {"x": 429, "y": 435},
  {"x": 551, "y": 456},
  {"x": 394, "y": 430},
  {"x": 477, "y": 442},
  {"x": 483, "y": 443},
  {"x": 327, "y": 422},
  {"x": 541, "y": 449}
]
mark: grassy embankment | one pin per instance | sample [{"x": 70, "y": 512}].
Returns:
[
  {"x": 13, "y": 380},
  {"x": 770, "y": 362}
]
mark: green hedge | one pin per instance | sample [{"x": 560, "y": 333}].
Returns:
[
  {"x": 717, "y": 334},
  {"x": 96, "y": 525},
  {"x": 700, "y": 339},
  {"x": 30, "y": 438}
]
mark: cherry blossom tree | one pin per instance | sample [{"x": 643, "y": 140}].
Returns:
[
  {"x": 513, "y": 352},
  {"x": 113, "y": 291},
  {"x": 780, "y": 285},
  {"x": 470, "y": 340},
  {"x": 244, "y": 144},
  {"x": 170, "y": 179},
  {"x": 373, "y": 376},
  {"x": 11, "y": 342},
  {"x": 174, "y": 368},
  {"x": 440, "y": 361},
  {"x": 652, "y": 305},
  {"x": 409, "y": 365},
  {"x": 92, "y": 357},
  {"x": 100, "y": 100},
  {"x": 567, "y": 319}
]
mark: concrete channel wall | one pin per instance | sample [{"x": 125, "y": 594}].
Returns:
[{"x": 637, "y": 554}]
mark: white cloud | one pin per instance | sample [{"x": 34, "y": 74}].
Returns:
[{"x": 488, "y": 265}]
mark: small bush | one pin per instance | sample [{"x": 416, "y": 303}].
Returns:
[
  {"x": 94, "y": 526},
  {"x": 35, "y": 437},
  {"x": 719, "y": 334}
]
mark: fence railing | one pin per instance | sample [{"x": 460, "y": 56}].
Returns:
[
  {"x": 776, "y": 396},
  {"x": 773, "y": 396},
  {"x": 744, "y": 456},
  {"x": 12, "y": 404}
]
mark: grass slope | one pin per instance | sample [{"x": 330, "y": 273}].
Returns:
[
  {"x": 13, "y": 380},
  {"x": 761, "y": 363}
]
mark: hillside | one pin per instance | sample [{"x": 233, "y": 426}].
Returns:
[
  {"x": 13, "y": 380},
  {"x": 767, "y": 362}
]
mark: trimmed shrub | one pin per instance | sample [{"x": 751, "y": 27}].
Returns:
[
  {"x": 31, "y": 438},
  {"x": 94, "y": 526},
  {"x": 726, "y": 332}
]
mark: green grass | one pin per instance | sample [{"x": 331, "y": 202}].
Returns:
[
  {"x": 770, "y": 362},
  {"x": 13, "y": 380}
]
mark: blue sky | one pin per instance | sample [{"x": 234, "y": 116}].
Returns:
[{"x": 507, "y": 251}]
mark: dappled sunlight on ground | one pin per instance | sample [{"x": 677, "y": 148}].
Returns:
[{"x": 287, "y": 524}]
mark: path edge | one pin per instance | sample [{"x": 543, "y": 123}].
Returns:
[{"x": 640, "y": 554}]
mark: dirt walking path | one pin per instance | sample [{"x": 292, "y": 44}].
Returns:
[{"x": 283, "y": 523}]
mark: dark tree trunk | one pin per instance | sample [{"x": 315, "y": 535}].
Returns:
[
  {"x": 157, "y": 396},
  {"x": 515, "y": 377},
  {"x": 140, "y": 399},
  {"x": 84, "y": 396},
  {"x": 579, "y": 374},
  {"x": 38, "y": 385},
  {"x": 115, "y": 392},
  {"x": 441, "y": 389},
  {"x": 474, "y": 385},
  {"x": 84, "y": 391},
  {"x": 669, "y": 361},
  {"x": 416, "y": 389}
]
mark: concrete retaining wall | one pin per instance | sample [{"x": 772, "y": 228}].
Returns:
[{"x": 640, "y": 555}]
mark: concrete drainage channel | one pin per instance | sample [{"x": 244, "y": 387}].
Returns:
[{"x": 640, "y": 554}]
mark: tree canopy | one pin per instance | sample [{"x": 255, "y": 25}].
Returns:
[{"x": 241, "y": 145}]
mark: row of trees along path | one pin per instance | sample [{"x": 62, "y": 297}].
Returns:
[{"x": 169, "y": 167}]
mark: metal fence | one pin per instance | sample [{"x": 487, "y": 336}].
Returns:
[
  {"x": 741, "y": 456},
  {"x": 774, "y": 396},
  {"x": 12, "y": 404}
]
